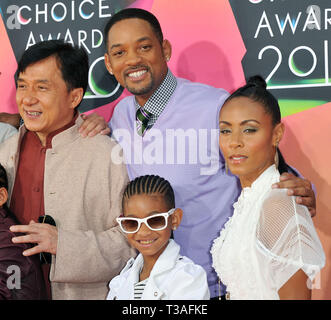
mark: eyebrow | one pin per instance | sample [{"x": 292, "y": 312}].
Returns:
[
  {"x": 149, "y": 214},
  {"x": 241, "y": 123},
  {"x": 116, "y": 45},
  {"x": 41, "y": 80}
]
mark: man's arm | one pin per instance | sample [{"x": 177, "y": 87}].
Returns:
[
  {"x": 86, "y": 255},
  {"x": 10, "y": 118},
  {"x": 300, "y": 188},
  {"x": 89, "y": 249},
  {"x": 93, "y": 124}
]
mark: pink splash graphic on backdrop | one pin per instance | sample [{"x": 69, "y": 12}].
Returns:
[
  {"x": 8, "y": 67},
  {"x": 207, "y": 45},
  {"x": 306, "y": 146}
]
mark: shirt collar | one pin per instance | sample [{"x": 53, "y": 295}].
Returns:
[
  {"x": 262, "y": 183},
  {"x": 159, "y": 99},
  {"x": 51, "y": 135}
]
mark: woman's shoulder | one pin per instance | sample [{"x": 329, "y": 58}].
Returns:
[
  {"x": 277, "y": 205},
  {"x": 278, "y": 212},
  {"x": 277, "y": 202},
  {"x": 282, "y": 218}
]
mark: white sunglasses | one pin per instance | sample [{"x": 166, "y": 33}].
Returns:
[{"x": 156, "y": 222}]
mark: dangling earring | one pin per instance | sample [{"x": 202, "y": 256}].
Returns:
[
  {"x": 276, "y": 156},
  {"x": 226, "y": 168}
]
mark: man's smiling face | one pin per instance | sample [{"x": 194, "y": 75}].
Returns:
[{"x": 136, "y": 57}]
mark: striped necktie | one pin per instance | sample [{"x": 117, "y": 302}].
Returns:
[{"x": 142, "y": 117}]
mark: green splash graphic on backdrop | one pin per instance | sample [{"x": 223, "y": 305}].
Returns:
[{"x": 290, "y": 106}]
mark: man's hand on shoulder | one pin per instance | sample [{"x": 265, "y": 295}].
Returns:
[
  {"x": 10, "y": 118},
  {"x": 300, "y": 188},
  {"x": 93, "y": 124},
  {"x": 44, "y": 235}
]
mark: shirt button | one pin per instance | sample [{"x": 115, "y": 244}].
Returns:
[
  {"x": 155, "y": 294},
  {"x": 36, "y": 189}
]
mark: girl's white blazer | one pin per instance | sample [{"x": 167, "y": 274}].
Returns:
[{"x": 173, "y": 277}]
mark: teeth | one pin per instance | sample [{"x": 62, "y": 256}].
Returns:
[
  {"x": 137, "y": 74},
  {"x": 35, "y": 114},
  {"x": 146, "y": 241}
]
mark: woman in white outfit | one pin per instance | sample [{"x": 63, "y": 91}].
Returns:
[{"x": 269, "y": 248}]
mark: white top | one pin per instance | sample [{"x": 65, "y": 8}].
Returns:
[
  {"x": 173, "y": 277},
  {"x": 268, "y": 239},
  {"x": 6, "y": 131}
]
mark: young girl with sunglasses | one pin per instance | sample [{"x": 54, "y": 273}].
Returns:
[{"x": 159, "y": 272}]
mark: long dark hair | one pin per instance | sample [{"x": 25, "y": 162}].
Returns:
[{"x": 256, "y": 90}]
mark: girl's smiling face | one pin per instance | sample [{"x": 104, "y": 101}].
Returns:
[{"x": 148, "y": 242}]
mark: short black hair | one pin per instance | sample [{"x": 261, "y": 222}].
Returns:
[
  {"x": 150, "y": 184},
  {"x": 4, "y": 184},
  {"x": 256, "y": 90},
  {"x": 72, "y": 61},
  {"x": 3, "y": 178},
  {"x": 131, "y": 13}
]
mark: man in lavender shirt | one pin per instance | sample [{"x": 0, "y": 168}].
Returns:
[{"x": 180, "y": 140}]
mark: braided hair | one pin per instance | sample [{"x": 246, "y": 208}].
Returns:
[
  {"x": 256, "y": 90},
  {"x": 150, "y": 184}
]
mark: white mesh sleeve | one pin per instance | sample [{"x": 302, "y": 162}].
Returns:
[{"x": 287, "y": 237}]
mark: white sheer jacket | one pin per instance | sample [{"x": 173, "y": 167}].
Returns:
[{"x": 266, "y": 241}]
